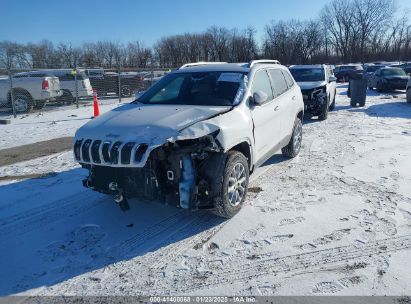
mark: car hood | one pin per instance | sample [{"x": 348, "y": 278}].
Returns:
[
  {"x": 396, "y": 77},
  {"x": 311, "y": 84},
  {"x": 150, "y": 124}
]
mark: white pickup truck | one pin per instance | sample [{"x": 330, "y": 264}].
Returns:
[{"x": 29, "y": 92}]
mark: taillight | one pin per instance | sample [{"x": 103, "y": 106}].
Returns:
[{"x": 45, "y": 84}]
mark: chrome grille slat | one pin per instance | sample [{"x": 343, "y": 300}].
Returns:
[{"x": 125, "y": 150}]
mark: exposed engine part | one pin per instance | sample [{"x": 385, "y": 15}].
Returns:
[
  {"x": 178, "y": 173},
  {"x": 314, "y": 100},
  {"x": 118, "y": 196}
]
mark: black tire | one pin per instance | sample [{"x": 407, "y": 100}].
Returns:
[
  {"x": 332, "y": 105},
  {"x": 380, "y": 87},
  {"x": 223, "y": 201},
  {"x": 40, "y": 104},
  {"x": 67, "y": 98},
  {"x": 324, "y": 113},
  {"x": 353, "y": 104},
  {"x": 409, "y": 95},
  {"x": 126, "y": 91},
  {"x": 23, "y": 103},
  {"x": 293, "y": 147}
]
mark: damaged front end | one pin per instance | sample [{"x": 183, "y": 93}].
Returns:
[
  {"x": 314, "y": 100},
  {"x": 181, "y": 172}
]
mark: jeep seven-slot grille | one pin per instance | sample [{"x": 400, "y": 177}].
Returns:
[{"x": 108, "y": 152}]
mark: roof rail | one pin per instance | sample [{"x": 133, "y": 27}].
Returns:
[
  {"x": 263, "y": 61},
  {"x": 188, "y": 65}
]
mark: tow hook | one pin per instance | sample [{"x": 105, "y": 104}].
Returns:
[{"x": 118, "y": 196}]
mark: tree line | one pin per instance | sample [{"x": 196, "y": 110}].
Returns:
[{"x": 344, "y": 31}]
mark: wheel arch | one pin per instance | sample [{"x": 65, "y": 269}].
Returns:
[
  {"x": 244, "y": 147},
  {"x": 19, "y": 91}
]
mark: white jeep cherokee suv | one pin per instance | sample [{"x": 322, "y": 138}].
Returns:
[
  {"x": 318, "y": 86},
  {"x": 193, "y": 138}
]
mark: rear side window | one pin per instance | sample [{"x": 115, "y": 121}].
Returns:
[
  {"x": 279, "y": 84},
  {"x": 288, "y": 79},
  {"x": 262, "y": 83}
]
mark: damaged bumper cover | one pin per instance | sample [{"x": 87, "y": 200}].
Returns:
[
  {"x": 314, "y": 100},
  {"x": 174, "y": 172}
]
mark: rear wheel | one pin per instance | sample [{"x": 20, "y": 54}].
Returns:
[
  {"x": 233, "y": 185},
  {"x": 66, "y": 98},
  {"x": 294, "y": 145},
  {"x": 23, "y": 103},
  {"x": 40, "y": 104}
]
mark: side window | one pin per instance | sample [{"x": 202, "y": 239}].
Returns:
[
  {"x": 261, "y": 82},
  {"x": 288, "y": 79},
  {"x": 278, "y": 80}
]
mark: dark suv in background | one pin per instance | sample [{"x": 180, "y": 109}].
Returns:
[{"x": 342, "y": 72}]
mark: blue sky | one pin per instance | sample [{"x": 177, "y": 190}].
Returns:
[{"x": 78, "y": 21}]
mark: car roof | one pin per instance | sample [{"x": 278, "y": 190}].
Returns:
[
  {"x": 307, "y": 66},
  {"x": 228, "y": 67},
  {"x": 225, "y": 67}
]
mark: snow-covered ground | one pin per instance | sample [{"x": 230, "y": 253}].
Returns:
[
  {"x": 52, "y": 122},
  {"x": 335, "y": 220}
]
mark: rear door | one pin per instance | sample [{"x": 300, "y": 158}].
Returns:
[
  {"x": 266, "y": 117},
  {"x": 284, "y": 87}
]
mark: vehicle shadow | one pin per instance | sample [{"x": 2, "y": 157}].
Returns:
[
  {"x": 52, "y": 229},
  {"x": 387, "y": 110}
]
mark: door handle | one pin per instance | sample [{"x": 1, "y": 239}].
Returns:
[
  {"x": 293, "y": 97},
  {"x": 276, "y": 108}
]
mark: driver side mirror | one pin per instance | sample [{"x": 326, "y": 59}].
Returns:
[
  {"x": 332, "y": 79},
  {"x": 260, "y": 98}
]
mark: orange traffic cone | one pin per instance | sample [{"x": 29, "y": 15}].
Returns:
[{"x": 95, "y": 104}]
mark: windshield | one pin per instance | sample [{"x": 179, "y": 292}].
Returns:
[
  {"x": 393, "y": 72},
  {"x": 196, "y": 88},
  {"x": 303, "y": 75}
]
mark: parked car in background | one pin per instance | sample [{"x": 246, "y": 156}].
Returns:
[
  {"x": 318, "y": 86},
  {"x": 193, "y": 138},
  {"x": 342, "y": 72},
  {"x": 371, "y": 69},
  {"x": 29, "y": 91},
  {"x": 107, "y": 83},
  {"x": 388, "y": 78},
  {"x": 409, "y": 91},
  {"x": 406, "y": 67},
  {"x": 68, "y": 84}
]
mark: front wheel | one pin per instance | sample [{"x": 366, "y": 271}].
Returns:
[
  {"x": 324, "y": 114},
  {"x": 294, "y": 145},
  {"x": 126, "y": 91},
  {"x": 233, "y": 185},
  {"x": 332, "y": 106}
]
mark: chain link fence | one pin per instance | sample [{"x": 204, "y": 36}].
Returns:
[{"x": 38, "y": 89}]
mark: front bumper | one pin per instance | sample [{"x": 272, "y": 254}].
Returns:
[{"x": 314, "y": 102}]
